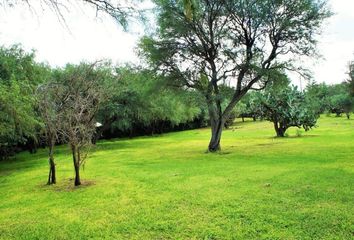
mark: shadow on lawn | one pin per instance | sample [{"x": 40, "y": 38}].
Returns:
[
  {"x": 294, "y": 136},
  {"x": 67, "y": 185},
  {"x": 21, "y": 161}
]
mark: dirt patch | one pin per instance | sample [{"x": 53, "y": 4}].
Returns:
[{"x": 67, "y": 185}]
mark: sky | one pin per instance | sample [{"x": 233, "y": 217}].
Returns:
[{"x": 84, "y": 36}]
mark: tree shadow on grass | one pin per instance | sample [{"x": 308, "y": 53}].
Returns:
[
  {"x": 294, "y": 136},
  {"x": 67, "y": 185}
]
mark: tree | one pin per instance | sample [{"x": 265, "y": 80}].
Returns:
[
  {"x": 19, "y": 77},
  {"x": 319, "y": 95},
  {"x": 79, "y": 88},
  {"x": 230, "y": 41},
  {"x": 249, "y": 106},
  {"x": 286, "y": 108},
  {"x": 342, "y": 103},
  {"x": 50, "y": 104}
]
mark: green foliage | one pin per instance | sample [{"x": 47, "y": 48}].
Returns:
[
  {"x": 319, "y": 95},
  {"x": 192, "y": 37},
  {"x": 287, "y": 107},
  {"x": 18, "y": 119},
  {"x": 206, "y": 44},
  {"x": 342, "y": 103},
  {"x": 141, "y": 99},
  {"x": 189, "y": 9},
  {"x": 19, "y": 78},
  {"x": 331, "y": 98}
]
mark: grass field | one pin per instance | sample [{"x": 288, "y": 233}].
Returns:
[{"x": 167, "y": 187}]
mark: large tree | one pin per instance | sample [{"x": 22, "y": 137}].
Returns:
[{"x": 239, "y": 42}]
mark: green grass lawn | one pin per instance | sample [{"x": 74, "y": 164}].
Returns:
[{"x": 167, "y": 187}]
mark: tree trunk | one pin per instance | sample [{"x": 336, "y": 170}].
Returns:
[
  {"x": 52, "y": 176},
  {"x": 348, "y": 115},
  {"x": 280, "y": 130},
  {"x": 77, "y": 175},
  {"x": 76, "y": 161},
  {"x": 216, "y": 130}
]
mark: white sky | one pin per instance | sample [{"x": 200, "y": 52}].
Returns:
[{"x": 90, "y": 38}]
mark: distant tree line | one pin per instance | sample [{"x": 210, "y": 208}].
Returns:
[{"x": 286, "y": 106}]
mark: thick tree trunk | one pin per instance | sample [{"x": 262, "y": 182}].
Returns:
[
  {"x": 216, "y": 131},
  {"x": 76, "y": 161},
  {"x": 216, "y": 114},
  {"x": 52, "y": 176},
  {"x": 280, "y": 130}
]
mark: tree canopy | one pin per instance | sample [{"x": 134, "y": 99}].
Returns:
[
  {"x": 287, "y": 107},
  {"x": 19, "y": 78}
]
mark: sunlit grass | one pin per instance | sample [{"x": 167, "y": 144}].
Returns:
[{"x": 167, "y": 187}]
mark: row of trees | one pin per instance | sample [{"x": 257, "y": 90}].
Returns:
[
  {"x": 44, "y": 106},
  {"x": 336, "y": 98}
]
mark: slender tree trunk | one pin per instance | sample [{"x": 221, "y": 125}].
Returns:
[
  {"x": 348, "y": 115},
  {"x": 216, "y": 131},
  {"x": 52, "y": 175},
  {"x": 76, "y": 161}
]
